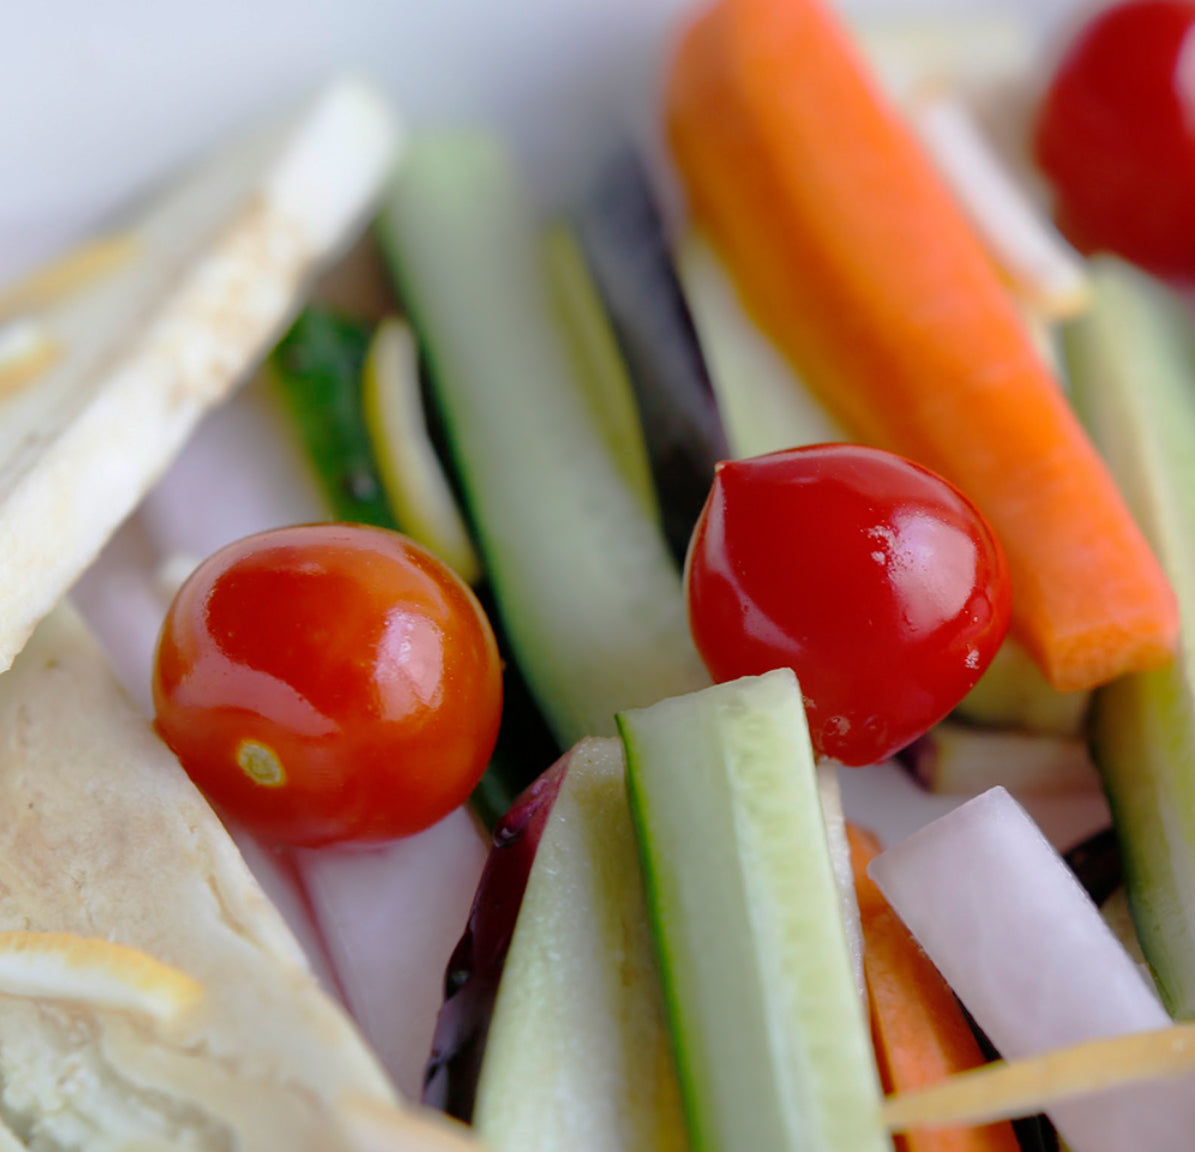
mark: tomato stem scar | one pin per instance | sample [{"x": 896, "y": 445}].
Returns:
[{"x": 261, "y": 764}]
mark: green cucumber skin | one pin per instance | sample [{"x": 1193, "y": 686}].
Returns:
[
  {"x": 1144, "y": 745},
  {"x": 587, "y": 593},
  {"x": 316, "y": 370},
  {"x": 1133, "y": 381},
  {"x": 775, "y": 1058}
]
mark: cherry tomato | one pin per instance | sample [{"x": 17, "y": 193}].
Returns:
[
  {"x": 1116, "y": 135},
  {"x": 878, "y": 583},
  {"x": 329, "y": 682}
]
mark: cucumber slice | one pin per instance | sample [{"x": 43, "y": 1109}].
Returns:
[
  {"x": 316, "y": 371},
  {"x": 1133, "y": 381},
  {"x": 419, "y": 494},
  {"x": 577, "y": 1055},
  {"x": 763, "y": 403},
  {"x": 588, "y": 595},
  {"x": 597, "y": 361},
  {"x": 772, "y": 1041}
]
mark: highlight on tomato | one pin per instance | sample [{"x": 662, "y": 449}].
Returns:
[
  {"x": 875, "y": 580},
  {"x": 329, "y": 682}
]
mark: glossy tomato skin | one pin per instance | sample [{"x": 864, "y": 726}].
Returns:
[
  {"x": 1116, "y": 135},
  {"x": 877, "y": 582},
  {"x": 329, "y": 682}
]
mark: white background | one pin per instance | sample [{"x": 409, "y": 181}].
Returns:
[{"x": 99, "y": 97}]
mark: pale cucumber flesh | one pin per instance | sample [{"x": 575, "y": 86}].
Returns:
[
  {"x": 773, "y": 1048},
  {"x": 577, "y": 1055}
]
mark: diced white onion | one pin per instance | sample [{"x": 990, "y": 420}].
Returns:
[
  {"x": 1025, "y": 949},
  {"x": 391, "y": 917}
]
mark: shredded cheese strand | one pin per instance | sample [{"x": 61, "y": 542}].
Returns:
[{"x": 1004, "y": 1090}]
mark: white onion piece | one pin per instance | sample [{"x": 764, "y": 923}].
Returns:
[
  {"x": 391, "y": 917},
  {"x": 120, "y": 601},
  {"x": 886, "y": 800},
  {"x": 241, "y": 472},
  {"x": 276, "y": 872},
  {"x": 1025, "y": 949}
]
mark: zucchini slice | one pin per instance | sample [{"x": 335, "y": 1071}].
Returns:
[
  {"x": 589, "y": 598},
  {"x": 772, "y": 1041},
  {"x": 1133, "y": 381}
]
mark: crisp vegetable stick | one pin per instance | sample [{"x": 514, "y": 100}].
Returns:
[
  {"x": 858, "y": 261},
  {"x": 920, "y": 1034}
]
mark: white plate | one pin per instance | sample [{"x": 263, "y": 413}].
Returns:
[{"x": 100, "y": 97}]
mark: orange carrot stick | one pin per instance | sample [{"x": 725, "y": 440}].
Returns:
[
  {"x": 854, "y": 256},
  {"x": 920, "y": 1033}
]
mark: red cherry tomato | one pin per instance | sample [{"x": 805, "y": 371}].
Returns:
[
  {"x": 1116, "y": 135},
  {"x": 329, "y": 682},
  {"x": 878, "y": 583}
]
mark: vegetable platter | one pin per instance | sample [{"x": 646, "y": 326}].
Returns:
[{"x": 608, "y": 576}]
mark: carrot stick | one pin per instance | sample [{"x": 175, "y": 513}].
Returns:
[
  {"x": 920, "y": 1034},
  {"x": 855, "y": 258}
]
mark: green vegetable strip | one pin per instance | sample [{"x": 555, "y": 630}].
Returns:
[
  {"x": 317, "y": 372},
  {"x": 763, "y": 403},
  {"x": 772, "y": 1042},
  {"x": 588, "y": 595},
  {"x": 1133, "y": 381},
  {"x": 316, "y": 369},
  {"x": 597, "y": 361},
  {"x": 417, "y": 490}
]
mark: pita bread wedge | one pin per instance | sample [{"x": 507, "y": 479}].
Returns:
[
  {"x": 170, "y": 1008},
  {"x": 98, "y": 395}
]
